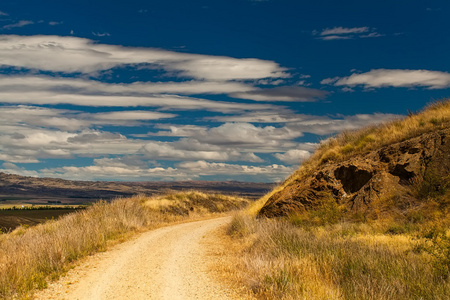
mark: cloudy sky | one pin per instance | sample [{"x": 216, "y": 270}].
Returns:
[{"x": 206, "y": 90}]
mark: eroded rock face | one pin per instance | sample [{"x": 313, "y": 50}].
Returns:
[
  {"x": 359, "y": 181},
  {"x": 352, "y": 178}
]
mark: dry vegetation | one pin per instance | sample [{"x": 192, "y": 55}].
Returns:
[
  {"x": 281, "y": 260},
  {"x": 30, "y": 257},
  {"x": 323, "y": 254},
  {"x": 326, "y": 254}
]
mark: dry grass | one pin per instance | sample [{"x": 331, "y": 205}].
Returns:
[
  {"x": 339, "y": 261},
  {"x": 352, "y": 143},
  {"x": 30, "y": 257},
  {"x": 195, "y": 203}
]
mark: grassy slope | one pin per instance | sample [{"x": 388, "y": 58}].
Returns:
[
  {"x": 315, "y": 258},
  {"x": 29, "y": 257}
]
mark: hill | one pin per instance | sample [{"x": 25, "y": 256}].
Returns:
[
  {"x": 390, "y": 170},
  {"x": 366, "y": 217}
]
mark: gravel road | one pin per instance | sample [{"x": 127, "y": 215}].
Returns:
[{"x": 167, "y": 263}]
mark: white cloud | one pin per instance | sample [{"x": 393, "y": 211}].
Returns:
[
  {"x": 283, "y": 93},
  {"x": 70, "y": 54},
  {"x": 178, "y": 130},
  {"x": 347, "y": 89},
  {"x": 394, "y": 78},
  {"x": 131, "y": 115},
  {"x": 35, "y": 117},
  {"x": 293, "y": 156},
  {"x": 166, "y": 151},
  {"x": 243, "y": 136},
  {"x": 117, "y": 172},
  {"x": 18, "y": 24},
  {"x": 3, "y": 13},
  {"x": 295, "y": 125},
  {"x": 32, "y": 133},
  {"x": 194, "y": 150},
  {"x": 336, "y": 37},
  {"x": 273, "y": 172},
  {"x": 270, "y": 116},
  {"x": 246, "y": 134},
  {"x": 106, "y": 169},
  {"x": 29, "y": 134},
  {"x": 166, "y": 102},
  {"x": 227, "y": 68},
  {"x": 323, "y": 125},
  {"x": 13, "y": 169},
  {"x": 49, "y": 90},
  {"x": 21, "y": 84},
  {"x": 345, "y": 33},
  {"x": 22, "y": 142},
  {"x": 54, "y": 23},
  {"x": 343, "y": 30},
  {"x": 371, "y": 35},
  {"x": 101, "y": 34}
]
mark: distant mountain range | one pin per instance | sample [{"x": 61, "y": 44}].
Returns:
[{"x": 16, "y": 185}]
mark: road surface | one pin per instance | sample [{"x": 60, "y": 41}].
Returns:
[{"x": 168, "y": 263}]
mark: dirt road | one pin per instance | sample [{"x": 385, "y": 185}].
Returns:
[{"x": 167, "y": 263}]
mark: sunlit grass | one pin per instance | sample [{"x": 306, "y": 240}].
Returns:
[{"x": 339, "y": 261}]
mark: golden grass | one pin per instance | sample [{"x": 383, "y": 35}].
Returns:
[
  {"x": 278, "y": 260},
  {"x": 30, "y": 257},
  {"x": 256, "y": 206},
  {"x": 195, "y": 202}
]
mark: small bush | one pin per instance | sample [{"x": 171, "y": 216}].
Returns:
[
  {"x": 240, "y": 226},
  {"x": 349, "y": 148},
  {"x": 326, "y": 211},
  {"x": 436, "y": 242},
  {"x": 330, "y": 155},
  {"x": 433, "y": 184}
]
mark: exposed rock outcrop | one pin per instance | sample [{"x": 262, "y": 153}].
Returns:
[{"x": 361, "y": 181}]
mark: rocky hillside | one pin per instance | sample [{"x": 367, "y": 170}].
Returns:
[{"x": 381, "y": 171}]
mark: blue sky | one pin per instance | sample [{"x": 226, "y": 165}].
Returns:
[{"x": 206, "y": 90}]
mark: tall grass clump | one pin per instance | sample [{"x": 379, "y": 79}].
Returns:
[
  {"x": 195, "y": 202},
  {"x": 30, "y": 257}
]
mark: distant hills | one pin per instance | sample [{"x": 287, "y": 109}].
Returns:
[{"x": 22, "y": 187}]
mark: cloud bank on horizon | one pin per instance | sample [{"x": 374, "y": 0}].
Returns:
[{"x": 98, "y": 103}]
